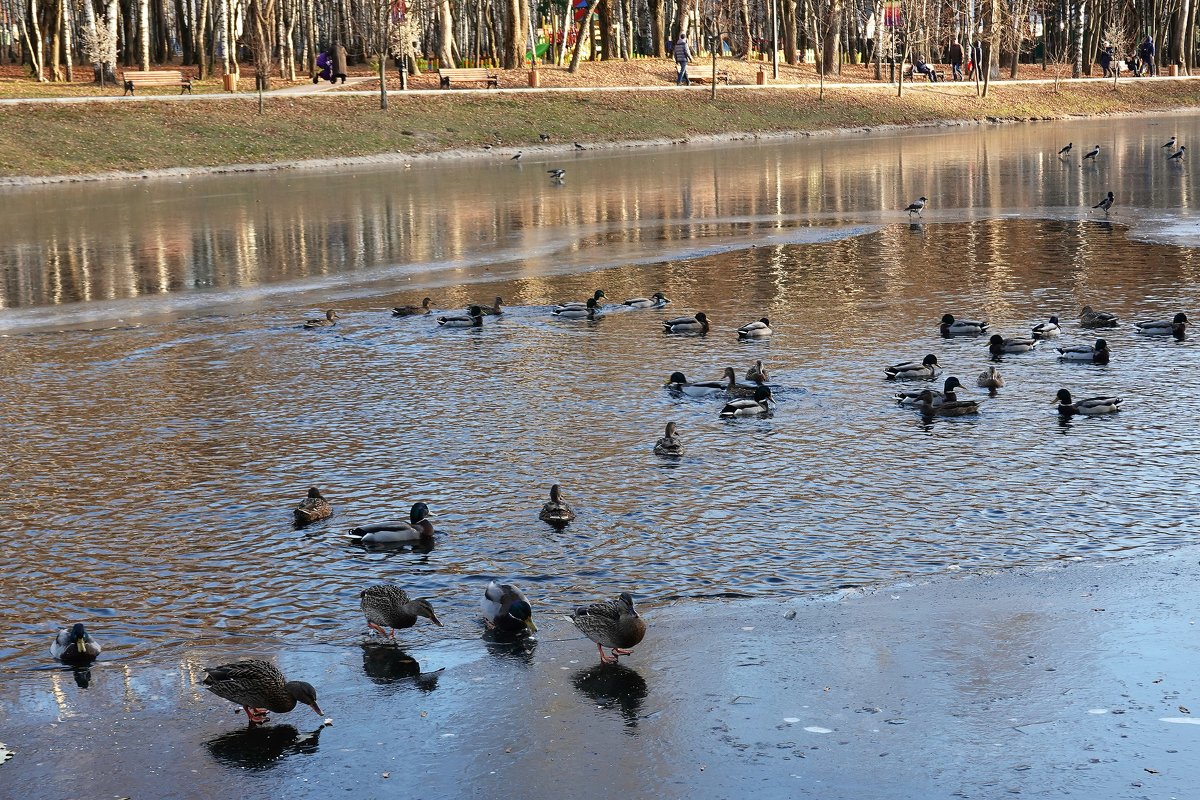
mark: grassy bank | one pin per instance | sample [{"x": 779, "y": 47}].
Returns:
[{"x": 44, "y": 140}]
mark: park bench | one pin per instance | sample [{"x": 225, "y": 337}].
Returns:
[
  {"x": 449, "y": 77},
  {"x": 164, "y": 77},
  {"x": 907, "y": 72},
  {"x": 702, "y": 80}
]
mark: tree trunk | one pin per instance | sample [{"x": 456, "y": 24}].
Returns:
[
  {"x": 682, "y": 9},
  {"x": 445, "y": 35},
  {"x": 830, "y": 60},
  {"x": 745, "y": 37},
  {"x": 1182, "y": 14},
  {"x": 144, "y": 33},
  {"x": 1077, "y": 67},
  {"x": 202, "y": 70},
  {"x": 584, "y": 26},
  {"x": 68, "y": 23},
  {"x": 787, "y": 38},
  {"x": 513, "y": 50},
  {"x": 604, "y": 12},
  {"x": 56, "y": 25},
  {"x": 658, "y": 28}
]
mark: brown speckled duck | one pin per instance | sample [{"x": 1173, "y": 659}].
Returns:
[
  {"x": 388, "y": 606},
  {"x": 669, "y": 445},
  {"x": 331, "y": 318},
  {"x": 259, "y": 687},
  {"x": 412, "y": 311},
  {"x": 556, "y": 511},
  {"x": 312, "y": 508},
  {"x": 614, "y": 624}
]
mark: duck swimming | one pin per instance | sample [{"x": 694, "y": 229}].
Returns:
[
  {"x": 1092, "y": 406},
  {"x": 74, "y": 646},
  {"x": 755, "y": 330},
  {"x": 1176, "y": 326},
  {"x": 998, "y": 345},
  {"x": 413, "y": 311},
  {"x": 1045, "y": 330},
  {"x": 669, "y": 445},
  {"x": 506, "y": 609},
  {"x": 947, "y": 393},
  {"x": 587, "y": 311},
  {"x": 418, "y": 528},
  {"x": 556, "y": 511},
  {"x": 258, "y": 687},
  {"x": 330, "y": 318},
  {"x": 961, "y": 327},
  {"x": 474, "y": 319},
  {"x": 749, "y": 407},
  {"x": 990, "y": 378},
  {"x": 1090, "y": 318},
  {"x": 388, "y": 606},
  {"x": 678, "y": 382},
  {"x": 924, "y": 369},
  {"x": 614, "y": 624},
  {"x": 947, "y": 408},
  {"x": 1097, "y": 353},
  {"x": 696, "y": 324},
  {"x": 598, "y": 296},
  {"x": 312, "y": 508},
  {"x": 757, "y": 373},
  {"x": 656, "y": 300},
  {"x": 494, "y": 309}
]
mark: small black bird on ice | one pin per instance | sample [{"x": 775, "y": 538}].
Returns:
[
  {"x": 543, "y": 137},
  {"x": 1170, "y": 142},
  {"x": 1095, "y": 151},
  {"x": 578, "y": 146},
  {"x": 1177, "y": 155},
  {"x": 916, "y": 206},
  {"x": 1066, "y": 149},
  {"x": 486, "y": 147},
  {"x": 517, "y": 157},
  {"x": 1106, "y": 203},
  {"x": 556, "y": 174}
]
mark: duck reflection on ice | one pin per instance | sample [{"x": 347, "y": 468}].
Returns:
[
  {"x": 514, "y": 647},
  {"x": 83, "y": 677},
  {"x": 387, "y": 663},
  {"x": 614, "y": 686},
  {"x": 261, "y": 746}
]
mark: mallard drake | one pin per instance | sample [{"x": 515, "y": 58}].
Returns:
[
  {"x": 614, "y": 624},
  {"x": 312, "y": 508},
  {"x": 947, "y": 393},
  {"x": 998, "y": 345},
  {"x": 678, "y": 382},
  {"x": 1045, "y": 330},
  {"x": 749, "y": 406},
  {"x": 669, "y": 445},
  {"x": 961, "y": 327},
  {"x": 474, "y": 319},
  {"x": 556, "y": 511},
  {"x": 418, "y": 528},
  {"x": 755, "y": 330},
  {"x": 1097, "y": 353},
  {"x": 587, "y": 311},
  {"x": 597, "y": 296},
  {"x": 505, "y": 609},
  {"x": 990, "y": 378},
  {"x": 1089, "y": 318},
  {"x": 331, "y": 317},
  {"x": 1091, "y": 407},
  {"x": 258, "y": 687},
  {"x": 412, "y": 311},
  {"x": 656, "y": 300},
  {"x": 923, "y": 370},
  {"x": 1175, "y": 326},
  {"x": 387, "y": 606},
  {"x": 948, "y": 408},
  {"x": 757, "y": 373},
  {"x": 74, "y": 645},
  {"x": 696, "y": 324},
  {"x": 494, "y": 309}
]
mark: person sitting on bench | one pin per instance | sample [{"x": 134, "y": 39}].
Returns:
[{"x": 920, "y": 66}]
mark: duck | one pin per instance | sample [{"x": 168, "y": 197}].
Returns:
[
  {"x": 998, "y": 345},
  {"x": 669, "y": 445},
  {"x": 696, "y": 324},
  {"x": 961, "y": 327},
  {"x": 948, "y": 408},
  {"x": 74, "y": 645},
  {"x": 947, "y": 393},
  {"x": 733, "y": 388},
  {"x": 474, "y": 319},
  {"x": 312, "y": 508},
  {"x": 755, "y": 330},
  {"x": 598, "y": 296},
  {"x": 331, "y": 317},
  {"x": 990, "y": 378},
  {"x": 258, "y": 687},
  {"x": 749, "y": 406},
  {"x": 418, "y": 528},
  {"x": 757, "y": 373},
  {"x": 614, "y": 624},
  {"x": 656, "y": 300},
  {"x": 1090, "y": 318},
  {"x": 1045, "y": 330},
  {"x": 925, "y": 369},
  {"x": 1175, "y": 326},
  {"x": 413, "y": 311},
  {"x": 1092, "y": 406},
  {"x": 678, "y": 382},
  {"x": 506, "y": 609},
  {"x": 556, "y": 511},
  {"x": 587, "y": 311},
  {"x": 494, "y": 309},
  {"x": 1097, "y": 353},
  {"x": 387, "y": 606}
]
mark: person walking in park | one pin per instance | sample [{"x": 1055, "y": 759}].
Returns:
[
  {"x": 1106, "y": 61},
  {"x": 683, "y": 55},
  {"x": 339, "y": 64},
  {"x": 956, "y": 60},
  {"x": 1146, "y": 54}
]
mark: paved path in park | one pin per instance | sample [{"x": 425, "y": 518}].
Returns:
[{"x": 316, "y": 88}]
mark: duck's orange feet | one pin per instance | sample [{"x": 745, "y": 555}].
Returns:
[
  {"x": 257, "y": 716},
  {"x": 607, "y": 659},
  {"x": 621, "y": 651},
  {"x": 377, "y": 629}
]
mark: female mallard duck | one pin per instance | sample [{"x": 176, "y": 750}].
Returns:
[
  {"x": 597, "y": 298},
  {"x": 1176, "y": 326},
  {"x": 947, "y": 394},
  {"x": 749, "y": 406},
  {"x": 1045, "y": 330},
  {"x": 669, "y": 445},
  {"x": 757, "y": 373},
  {"x": 696, "y": 324},
  {"x": 961, "y": 327},
  {"x": 948, "y": 408},
  {"x": 656, "y": 300},
  {"x": 1090, "y": 318},
  {"x": 735, "y": 389},
  {"x": 1097, "y": 353},
  {"x": 412, "y": 311},
  {"x": 331, "y": 317},
  {"x": 678, "y": 382},
  {"x": 1090, "y": 407},
  {"x": 556, "y": 511},
  {"x": 998, "y": 345},
  {"x": 505, "y": 609},
  {"x": 755, "y": 330},
  {"x": 74, "y": 646},
  {"x": 474, "y": 319},
  {"x": 923, "y": 370},
  {"x": 418, "y": 528},
  {"x": 614, "y": 624},
  {"x": 990, "y": 378},
  {"x": 312, "y": 508},
  {"x": 388, "y": 606},
  {"x": 494, "y": 309},
  {"x": 587, "y": 312},
  {"x": 259, "y": 687}
]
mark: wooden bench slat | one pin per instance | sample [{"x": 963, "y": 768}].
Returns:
[{"x": 450, "y": 76}]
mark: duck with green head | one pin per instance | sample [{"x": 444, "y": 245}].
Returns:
[
  {"x": 506, "y": 609},
  {"x": 418, "y": 528},
  {"x": 75, "y": 645}
]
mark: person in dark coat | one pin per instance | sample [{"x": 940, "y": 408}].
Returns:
[
  {"x": 1106, "y": 61},
  {"x": 920, "y": 66},
  {"x": 956, "y": 60},
  {"x": 683, "y": 54},
  {"x": 1146, "y": 54},
  {"x": 339, "y": 64},
  {"x": 326, "y": 67}
]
